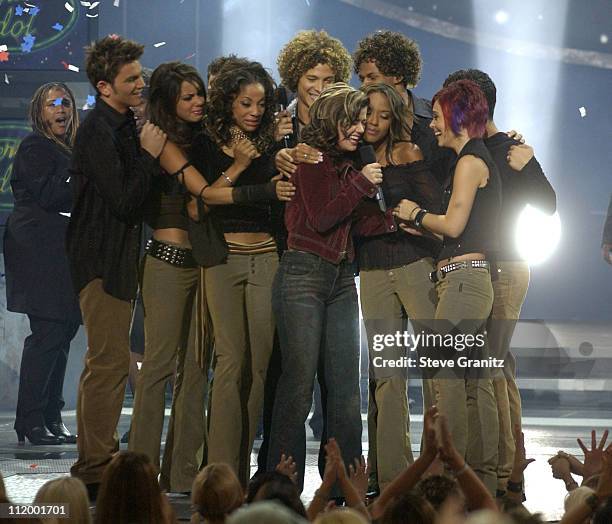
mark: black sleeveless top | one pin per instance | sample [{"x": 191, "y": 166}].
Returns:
[
  {"x": 165, "y": 206},
  {"x": 481, "y": 231}
]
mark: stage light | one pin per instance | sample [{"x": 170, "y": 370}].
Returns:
[
  {"x": 501, "y": 17},
  {"x": 537, "y": 235}
]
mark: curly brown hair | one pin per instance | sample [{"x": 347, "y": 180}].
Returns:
[
  {"x": 107, "y": 56},
  {"x": 218, "y": 115},
  {"x": 394, "y": 54},
  {"x": 307, "y": 49},
  {"x": 338, "y": 105}
]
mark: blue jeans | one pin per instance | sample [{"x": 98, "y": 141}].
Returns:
[{"x": 315, "y": 304}]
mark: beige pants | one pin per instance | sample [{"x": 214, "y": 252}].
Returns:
[
  {"x": 509, "y": 291},
  {"x": 383, "y": 294},
  {"x": 102, "y": 384},
  {"x": 465, "y": 298},
  {"x": 169, "y": 294},
  {"x": 240, "y": 302}
]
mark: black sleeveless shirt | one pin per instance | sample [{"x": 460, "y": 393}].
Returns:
[{"x": 481, "y": 231}]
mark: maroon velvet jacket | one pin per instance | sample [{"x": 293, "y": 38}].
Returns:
[{"x": 328, "y": 209}]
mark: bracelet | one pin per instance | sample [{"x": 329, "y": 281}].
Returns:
[
  {"x": 462, "y": 470},
  {"x": 418, "y": 219},
  {"x": 229, "y": 180},
  {"x": 412, "y": 212},
  {"x": 514, "y": 487},
  {"x": 206, "y": 186},
  {"x": 181, "y": 170}
]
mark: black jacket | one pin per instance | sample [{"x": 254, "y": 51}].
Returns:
[
  {"x": 37, "y": 278},
  {"x": 111, "y": 177}
]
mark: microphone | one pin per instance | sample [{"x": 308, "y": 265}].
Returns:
[
  {"x": 282, "y": 101},
  {"x": 368, "y": 156}
]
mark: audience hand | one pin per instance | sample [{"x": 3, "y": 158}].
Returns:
[
  {"x": 358, "y": 475},
  {"x": 287, "y": 467},
  {"x": 448, "y": 452},
  {"x": 606, "y": 251},
  {"x": 520, "y": 456},
  {"x": 604, "y": 487},
  {"x": 152, "y": 139},
  {"x": 593, "y": 457},
  {"x": 430, "y": 439},
  {"x": 405, "y": 210}
]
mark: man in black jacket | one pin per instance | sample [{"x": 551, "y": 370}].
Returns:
[
  {"x": 523, "y": 182},
  {"x": 111, "y": 169}
]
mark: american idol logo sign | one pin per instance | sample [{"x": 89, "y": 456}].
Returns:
[
  {"x": 28, "y": 26},
  {"x": 11, "y": 134}
]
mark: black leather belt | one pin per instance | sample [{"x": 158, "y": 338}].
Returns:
[
  {"x": 173, "y": 255},
  {"x": 436, "y": 276}
]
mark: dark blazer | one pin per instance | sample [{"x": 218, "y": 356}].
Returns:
[{"x": 37, "y": 277}]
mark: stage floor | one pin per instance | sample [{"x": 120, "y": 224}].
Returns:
[{"x": 548, "y": 428}]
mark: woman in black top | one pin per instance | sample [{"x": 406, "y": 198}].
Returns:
[
  {"x": 237, "y": 149},
  {"x": 37, "y": 277},
  {"x": 394, "y": 271},
  {"x": 463, "y": 283}
]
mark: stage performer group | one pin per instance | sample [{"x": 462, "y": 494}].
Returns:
[{"x": 264, "y": 202}]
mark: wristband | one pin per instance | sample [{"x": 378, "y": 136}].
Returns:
[
  {"x": 181, "y": 170},
  {"x": 514, "y": 487},
  {"x": 202, "y": 191},
  {"x": 418, "y": 219},
  {"x": 412, "y": 213}
]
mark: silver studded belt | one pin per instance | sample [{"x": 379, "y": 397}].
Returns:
[
  {"x": 438, "y": 275},
  {"x": 173, "y": 255}
]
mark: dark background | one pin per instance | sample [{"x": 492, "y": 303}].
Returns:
[{"x": 540, "y": 91}]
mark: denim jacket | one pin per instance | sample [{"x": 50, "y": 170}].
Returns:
[{"x": 329, "y": 208}]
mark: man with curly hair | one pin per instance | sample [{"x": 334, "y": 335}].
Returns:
[
  {"x": 307, "y": 64},
  {"x": 112, "y": 168}
]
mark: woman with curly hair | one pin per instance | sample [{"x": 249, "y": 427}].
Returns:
[
  {"x": 394, "y": 280},
  {"x": 37, "y": 273},
  {"x": 170, "y": 277},
  {"x": 307, "y": 64},
  {"x": 237, "y": 149},
  {"x": 469, "y": 230},
  {"x": 314, "y": 296}
]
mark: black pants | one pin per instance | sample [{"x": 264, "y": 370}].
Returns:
[{"x": 43, "y": 365}]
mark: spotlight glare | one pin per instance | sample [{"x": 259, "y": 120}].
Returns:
[
  {"x": 501, "y": 17},
  {"x": 537, "y": 235}
]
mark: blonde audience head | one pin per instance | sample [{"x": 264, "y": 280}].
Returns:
[
  {"x": 66, "y": 490},
  {"x": 216, "y": 493}
]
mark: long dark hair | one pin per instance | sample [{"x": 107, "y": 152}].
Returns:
[
  {"x": 338, "y": 105},
  {"x": 399, "y": 130},
  {"x": 164, "y": 93},
  {"x": 218, "y": 113},
  {"x": 37, "y": 119}
]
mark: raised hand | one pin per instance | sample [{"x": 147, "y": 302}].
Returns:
[
  {"x": 593, "y": 457},
  {"x": 520, "y": 456},
  {"x": 358, "y": 475},
  {"x": 287, "y": 467}
]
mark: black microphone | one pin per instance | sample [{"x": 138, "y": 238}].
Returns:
[
  {"x": 368, "y": 156},
  {"x": 283, "y": 101}
]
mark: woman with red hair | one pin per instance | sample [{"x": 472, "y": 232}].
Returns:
[{"x": 468, "y": 229}]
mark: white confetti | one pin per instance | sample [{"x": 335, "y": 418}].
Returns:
[
  {"x": 116, "y": 3},
  {"x": 73, "y": 68},
  {"x": 92, "y": 16},
  {"x": 603, "y": 38},
  {"x": 6, "y": 80},
  {"x": 582, "y": 111},
  {"x": 68, "y": 7},
  {"x": 84, "y": 108},
  {"x": 3, "y": 48},
  {"x": 94, "y": 5},
  {"x": 86, "y": 4},
  {"x": 159, "y": 44}
]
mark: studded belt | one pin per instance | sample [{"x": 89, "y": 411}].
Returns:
[
  {"x": 436, "y": 276},
  {"x": 173, "y": 255}
]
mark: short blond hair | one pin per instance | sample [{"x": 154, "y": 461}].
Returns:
[
  {"x": 216, "y": 492},
  {"x": 66, "y": 490}
]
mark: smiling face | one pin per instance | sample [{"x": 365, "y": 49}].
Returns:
[
  {"x": 126, "y": 89},
  {"x": 312, "y": 82},
  {"x": 349, "y": 140},
  {"x": 370, "y": 74},
  {"x": 57, "y": 111},
  {"x": 444, "y": 135},
  {"x": 190, "y": 105},
  {"x": 249, "y": 106},
  {"x": 378, "y": 120}
]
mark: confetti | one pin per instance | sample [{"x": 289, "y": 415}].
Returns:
[
  {"x": 6, "y": 80},
  {"x": 91, "y": 16},
  {"x": 73, "y": 68},
  {"x": 91, "y": 100},
  {"x": 116, "y": 3},
  {"x": 57, "y": 26},
  {"x": 3, "y": 48},
  {"x": 94, "y": 5},
  {"x": 4, "y": 56},
  {"x": 159, "y": 44},
  {"x": 582, "y": 111},
  {"x": 34, "y": 11},
  {"x": 190, "y": 56},
  {"x": 68, "y": 7},
  {"x": 18, "y": 10},
  {"x": 58, "y": 102}
]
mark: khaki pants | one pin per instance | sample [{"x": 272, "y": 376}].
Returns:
[
  {"x": 169, "y": 294},
  {"x": 465, "y": 298},
  {"x": 102, "y": 384},
  {"x": 509, "y": 291},
  {"x": 240, "y": 302},
  {"x": 383, "y": 294}
]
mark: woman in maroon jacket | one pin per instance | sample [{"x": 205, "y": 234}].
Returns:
[{"x": 314, "y": 297}]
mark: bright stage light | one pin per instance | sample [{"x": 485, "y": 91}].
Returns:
[
  {"x": 501, "y": 17},
  {"x": 537, "y": 235}
]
